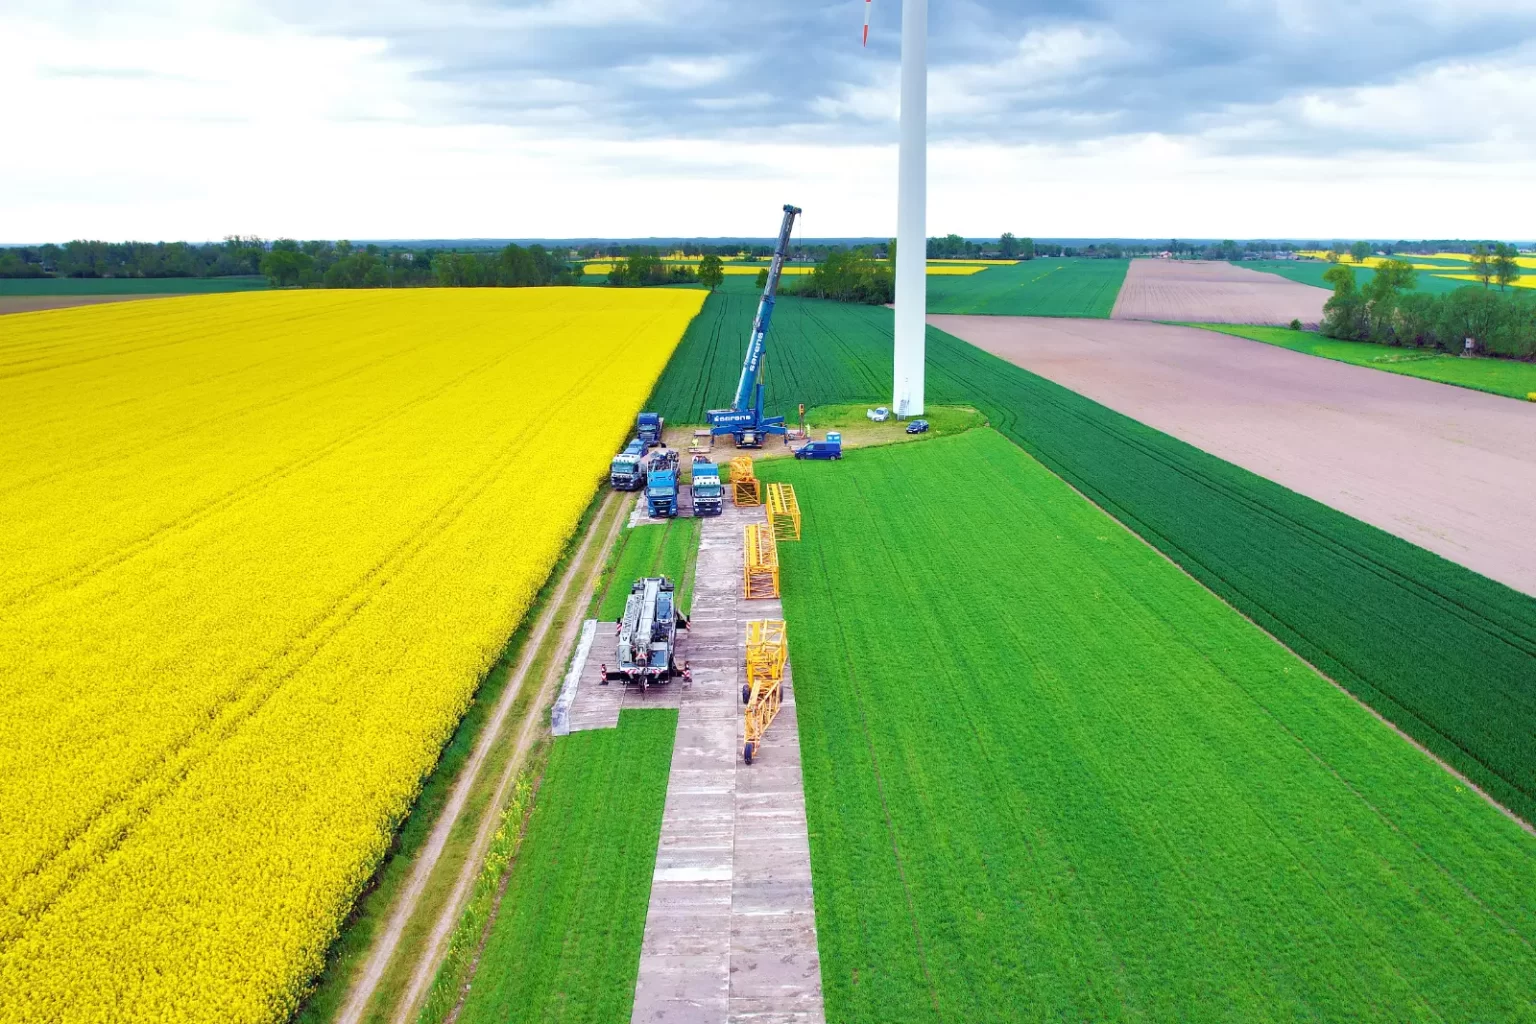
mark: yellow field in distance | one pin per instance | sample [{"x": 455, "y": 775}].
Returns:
[
  {"x": 797, "y": 269},
  {"x": 257, "y": 551}
]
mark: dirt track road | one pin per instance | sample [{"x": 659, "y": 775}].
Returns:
[
  {"x": 1449, "y": 469},
  {"x": 33, "y": 303},
  {"x": 1195, "y": 291}
]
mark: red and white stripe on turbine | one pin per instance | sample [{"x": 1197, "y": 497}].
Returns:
[{"x": 867, "y": 4}]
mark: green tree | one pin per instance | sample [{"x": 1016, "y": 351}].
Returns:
[
  {"x": 711, "y": 273},
  {"x": 1506, "y": 268},
  {"x": 1360, "y": 251},
  {"x": 286, "y": 267},
  {"x": 1344, "y": 314},
  {"x": 762, "y": 278},
  {"x": 1008, "y": 246},
  {"x": 1027, "y": 249},
  {"x": 1482, "y": 263}
]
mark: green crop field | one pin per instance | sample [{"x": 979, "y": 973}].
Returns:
[
  {"x": 565, "y": 945},
  {"x": 1051, "y": 778},
  {"x": 1044, "y": 287},
  {"x": 820, "y": 353},
  {"x": 1507, "y": 377},
  {"x": 129, "y": 285},
  {"x": 1446, "y": 654},
  {"x": 652, "y": 549},
  {"x": 1311, "y": 272}
]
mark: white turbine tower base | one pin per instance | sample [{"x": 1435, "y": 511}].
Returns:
[{"x": 911, "y": 213}]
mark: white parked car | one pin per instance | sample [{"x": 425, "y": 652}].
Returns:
[{"x": 879, "y": 415}]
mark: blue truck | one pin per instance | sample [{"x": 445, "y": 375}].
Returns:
[
  {"x": 661, "y": 484},
  {"x": 831, "y": 448},
  {"x": 627, "y": 473},
  {"x": 708, "y": 496},
  {"x": 649, "y": 427}
]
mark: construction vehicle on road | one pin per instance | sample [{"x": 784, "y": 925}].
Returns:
[
  {"x": 648, "y": 635},
  {"x": 744, "y": 420},
  {"x": 708, "y": 495},
  {"x": 627, "y": 473},
  {"x": 661, "y": 484},
  {"x": 648, "y": 426}
]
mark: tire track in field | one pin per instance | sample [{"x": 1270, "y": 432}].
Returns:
[
  {"x": 448, "y": 916},
  {"x": 192, "y": 428},
  {"x": 247, "y": 490},
  {"x": 161, "y": 776}
]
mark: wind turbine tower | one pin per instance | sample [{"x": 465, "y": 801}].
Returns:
[{"x": 911, "y": 212}]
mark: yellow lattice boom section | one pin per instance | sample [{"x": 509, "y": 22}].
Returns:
[
  {"x": 762, "y": 563},
  {"x": 767, "y": 653},
  {"x": 784, "y": 511},
  {"x": 748, "y": 490}
]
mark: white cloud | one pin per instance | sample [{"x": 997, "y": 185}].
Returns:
[{"x": 197, "y": 120}]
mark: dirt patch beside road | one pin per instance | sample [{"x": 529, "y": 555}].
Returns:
[
  {"x": 1446, "y": 468},
  {"x": 1195, "y": 291},
  {"x": 33, "y": 303}
]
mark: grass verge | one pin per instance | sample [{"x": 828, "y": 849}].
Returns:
[
  {"x": 564, "y": 944},
  {"x": 1050, "y": 777},
  {"x": 1508, "y": 377}
]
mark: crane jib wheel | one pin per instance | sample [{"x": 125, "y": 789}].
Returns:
[{"x": 746, "y": 753}]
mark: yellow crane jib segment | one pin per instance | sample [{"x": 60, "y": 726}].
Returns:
[
  {"x": 747, "y": 488},
  {"x": 761, "y": 570},
  {"x": 767, "y": 654},
  {"x": 784, "y": 511}
]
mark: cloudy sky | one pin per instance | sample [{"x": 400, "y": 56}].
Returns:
[{"x": 557, "y": 118}]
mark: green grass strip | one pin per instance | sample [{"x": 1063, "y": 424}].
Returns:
[
  {"x": 130, "y": 285},
  {"x": 1041, "y": 287},
  {"x": 464, "y": 944},
  {"x": 1507, "y": 377},
  {"x": 565, "y": 943},
  {"x": 653, "y": 549},
  {"x": 1049, "y": 777}
]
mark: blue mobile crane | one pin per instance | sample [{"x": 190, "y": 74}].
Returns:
[{"x": 744, "y": 420}]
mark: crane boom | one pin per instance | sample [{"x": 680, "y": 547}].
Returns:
[
  {"x": 745, "y": 417},
  {"x": 758, "y": 341}
]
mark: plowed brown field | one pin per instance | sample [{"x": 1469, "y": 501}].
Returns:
[{"x": 1216, "y": 293}]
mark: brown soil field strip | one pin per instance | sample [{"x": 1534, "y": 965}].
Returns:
[
  {"x": 1195, "y": 291},
  {"x": 33, "y": 303},
  {"x": 1446, "y": 468}
]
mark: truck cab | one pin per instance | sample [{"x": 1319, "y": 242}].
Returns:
[
  {"x": 661, "y": 485},
  {"x": 627, "y": 472},
  {"x": 648, "y": 428},
  {"x": 708, "y": 495}
]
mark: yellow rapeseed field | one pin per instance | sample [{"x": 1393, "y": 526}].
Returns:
[{"x": 256, "y": 551}]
